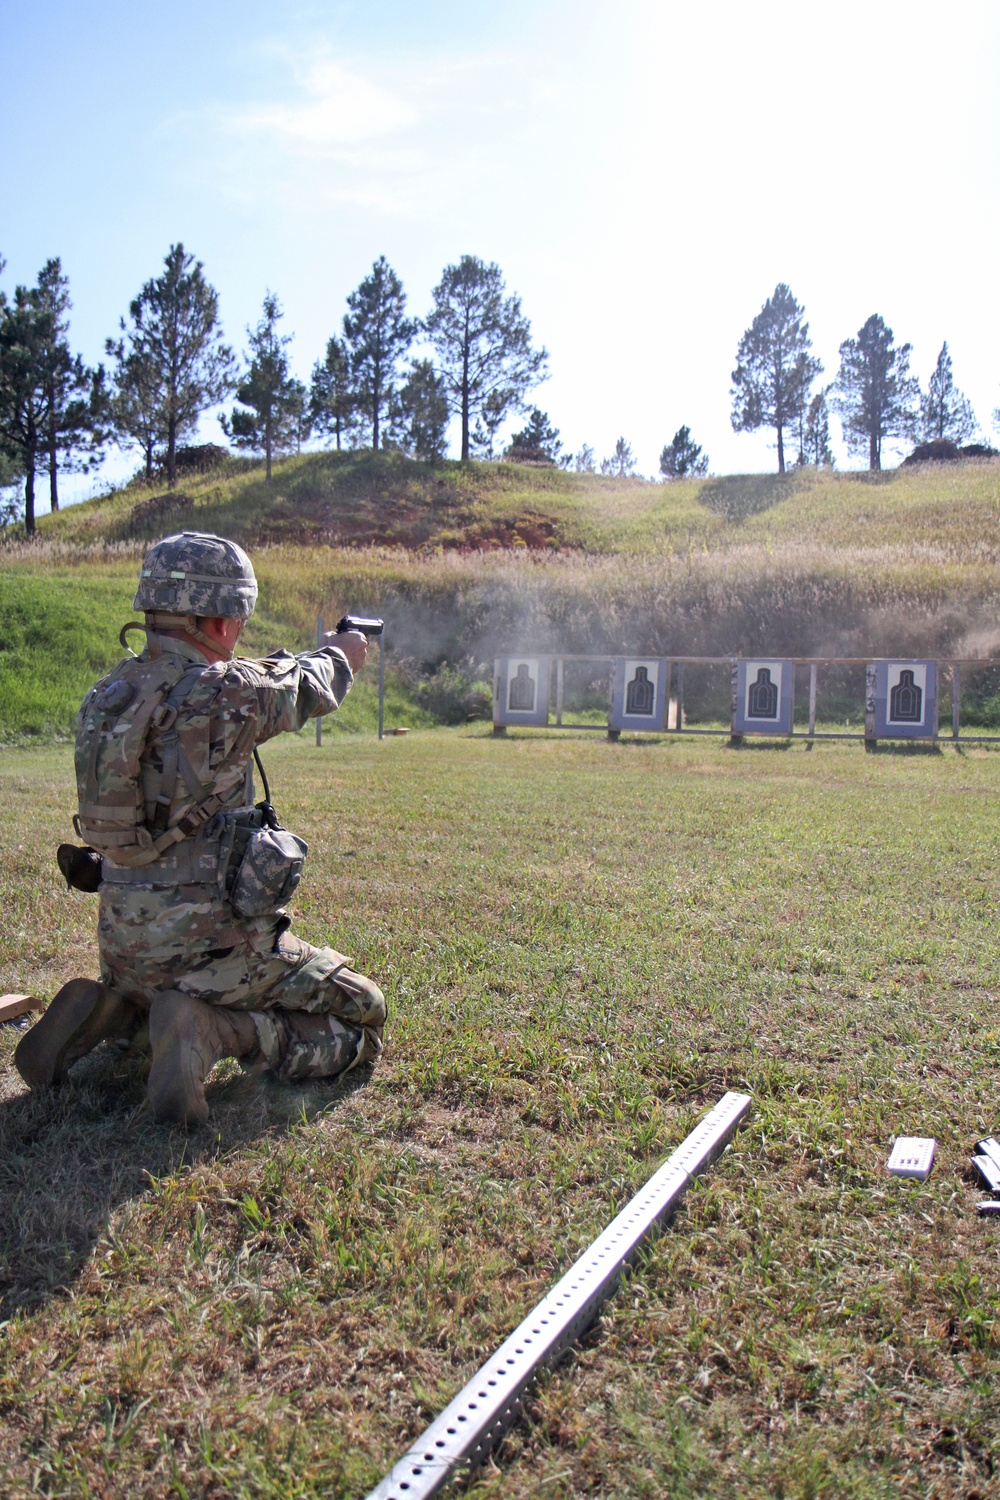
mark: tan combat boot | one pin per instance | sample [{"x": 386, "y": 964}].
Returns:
[
  {"x": 188, "y": 1038},
  {"x": 82, "y": 1014}
]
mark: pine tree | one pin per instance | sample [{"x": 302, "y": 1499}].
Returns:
[
  {"x": 493, "y": 414},
  {"x": 138, "y": 401},
  {"x": 774, "y": 369},
  {"x": 816, "y": 448},
  {"x": 299, "y": 425},
  {"x": 51, "y": 404},
  {"x": 483, "y": 344},
  {"x": 11, "y": 480},
  {"x": 583, "y": 462},
  {"x": 174, "y": 350},
  {"x": 332, "y": 402},
  {"x": 377, "y": 334},
  {"x": 875, "y": 393},
  {"x": 23, "y": 402},
  {"x": 420, "y": 413},
  {"x": 944, "y": 411},
  {"x": 682, "y": 457},
  {"x": 537, "y": 443},
  {"x": 274, "y": 398},
  {"x": 75, "y": 396},
  {"x": 622, "y": 461}
]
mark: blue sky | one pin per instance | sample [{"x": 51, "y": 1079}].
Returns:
[{"x": 644, "y": 173}]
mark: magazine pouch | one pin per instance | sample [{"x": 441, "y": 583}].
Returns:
[{"x": 260, "y": 867}]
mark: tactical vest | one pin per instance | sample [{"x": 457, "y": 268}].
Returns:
[{"x": 140, "y": 698}]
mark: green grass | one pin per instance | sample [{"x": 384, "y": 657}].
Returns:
[
  {"x": 583, "y": 945},
  {"x": 59, "y": 626}
]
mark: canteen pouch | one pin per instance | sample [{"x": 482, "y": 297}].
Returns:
[{"x": 267, "y": 871}]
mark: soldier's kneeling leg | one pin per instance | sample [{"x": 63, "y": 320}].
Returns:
[
  {"x": 340, "y": 1029},
  {"x": 188, "y": 1038},
  {"x": 83, "y": 1013}
]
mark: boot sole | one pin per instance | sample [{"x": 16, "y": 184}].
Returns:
[{"x": 83, "y": 1009}]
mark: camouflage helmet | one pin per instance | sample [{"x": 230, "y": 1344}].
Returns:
[{"x": 195, "y": 573}]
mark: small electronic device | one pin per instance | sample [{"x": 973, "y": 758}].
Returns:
[
  {"x": 990, "y": 1148},
  {"x": 912, "y": 1156},
  {"x": 989, "y": 1171}
]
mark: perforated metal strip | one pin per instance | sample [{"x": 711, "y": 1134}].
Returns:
[{"x": 476, "y": 1420}]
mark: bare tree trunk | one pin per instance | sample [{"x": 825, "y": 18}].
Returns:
[
  {"x": 29, "y": 497},
  {"x": 465, "y": 403},
  {"x": 874, "y": 456},
  {"x": 53, "y": 472},
  {"x": 781, "y": 451},
  {"x": 171, "y": 452}
]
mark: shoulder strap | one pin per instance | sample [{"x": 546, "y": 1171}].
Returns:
[
  {"x": 174, "y": 759},
  {"x": 205, "y": 795}
]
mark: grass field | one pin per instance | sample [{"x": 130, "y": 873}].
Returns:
[{"x": 583, "y": 946}]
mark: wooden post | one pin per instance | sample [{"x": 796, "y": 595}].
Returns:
[
  {"x": 559, "y": 691},
  {"x": 381, "y": 685},
  {"x": 812, "y": 702},
  {"x": 319, "y": 642},
  {"x": 735, "y": 740},
  {"x": 680, "y": 697},
  {"x": 870, "y": 741},
  {"x": 956, "y": 689}
]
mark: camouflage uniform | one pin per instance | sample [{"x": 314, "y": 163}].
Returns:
[{"x": 168, "y": 926}]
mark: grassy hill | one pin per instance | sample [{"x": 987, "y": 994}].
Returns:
[
  {"x": 384, "y": 500},
  {"x": 466, "y": 560}
]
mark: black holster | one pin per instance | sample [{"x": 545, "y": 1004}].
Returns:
[{"x": 81, "y": 867}]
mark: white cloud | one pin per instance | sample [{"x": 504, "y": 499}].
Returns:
[{"x": 340, "y": 107}]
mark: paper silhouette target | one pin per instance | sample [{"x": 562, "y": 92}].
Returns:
[
  {"x": 521, "y": 690},
  {"x": 763, "y": 697},
  {"x": 902, "y": 700},
  {"x": 638, "y": 692}
]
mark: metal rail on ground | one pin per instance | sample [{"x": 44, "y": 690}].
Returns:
[{"x": 473, "y": 1424}]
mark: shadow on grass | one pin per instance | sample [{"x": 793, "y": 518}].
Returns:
[
  {"x": 744, "y": 745},
  {"x": 906, "y": 747},
  {"x": 737, "y": 496},
  {"x": 70, "y": 1158}
]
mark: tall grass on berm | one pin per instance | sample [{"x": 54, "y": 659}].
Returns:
[{"x": 815, "y": 564}]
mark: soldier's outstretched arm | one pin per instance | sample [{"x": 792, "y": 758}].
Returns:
[{"x": 292, "y": 689}]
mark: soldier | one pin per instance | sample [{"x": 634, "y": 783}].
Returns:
[{"x": 192, "y": 876}]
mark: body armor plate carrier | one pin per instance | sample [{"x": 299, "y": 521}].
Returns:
[{"x": 139, "y": 698}]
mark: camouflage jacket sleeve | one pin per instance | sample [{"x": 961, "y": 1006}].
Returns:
[{"x": 290, "y": 690}]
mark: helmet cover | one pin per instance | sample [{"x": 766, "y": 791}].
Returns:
[{"x": 196, "y": 573}]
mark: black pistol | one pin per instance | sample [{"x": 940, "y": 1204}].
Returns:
[{"x": 368, "y": 628}]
